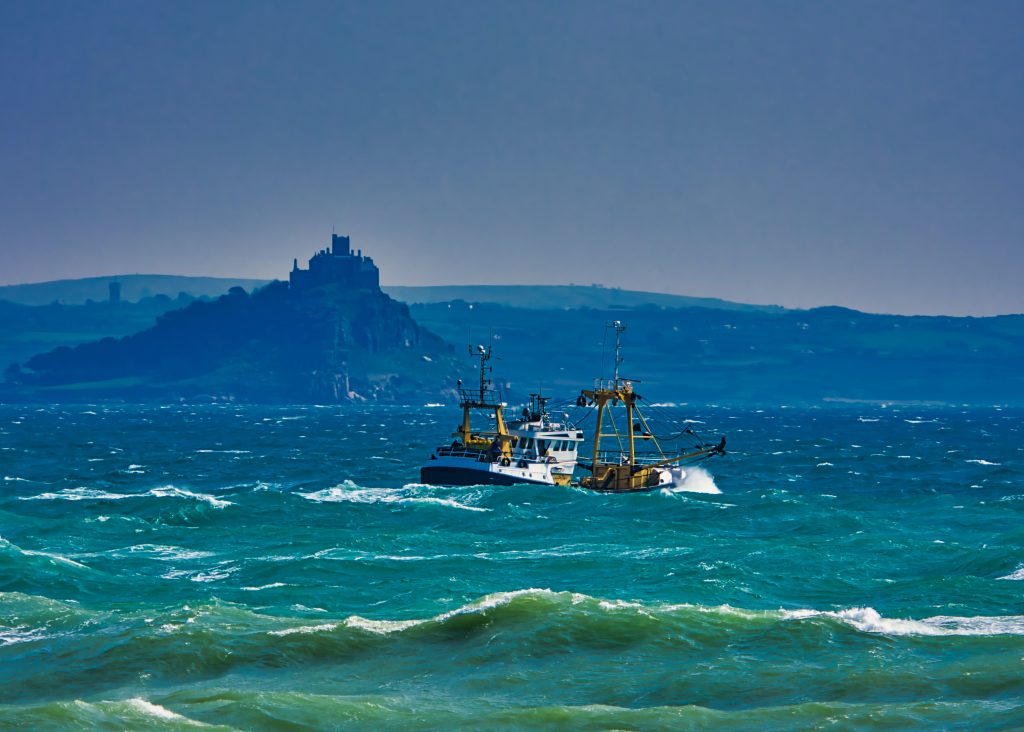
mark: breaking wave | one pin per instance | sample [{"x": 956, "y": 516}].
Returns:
[
  {"x": 1018, "y": 574},
  {"x": 93, "y": 494},
  {"x": 697, "y": 480},
  {"x": 868, "y": 620}
]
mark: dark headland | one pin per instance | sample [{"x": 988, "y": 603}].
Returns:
[{"x": 329, "y": 334}]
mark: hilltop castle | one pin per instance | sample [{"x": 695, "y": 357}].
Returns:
[{"x": 339, "y": 266}]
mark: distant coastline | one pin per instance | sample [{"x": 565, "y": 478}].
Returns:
[{"x": 691, "y": 349}]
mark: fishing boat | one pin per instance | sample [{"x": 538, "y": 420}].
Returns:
[
  {"x": 533, "y": 449},
  {"x": 633, "y": 459}
]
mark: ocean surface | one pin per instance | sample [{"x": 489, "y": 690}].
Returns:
[{"x": 280, "y": 568}]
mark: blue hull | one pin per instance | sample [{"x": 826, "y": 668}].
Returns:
[{"x": 446, "y": 475}]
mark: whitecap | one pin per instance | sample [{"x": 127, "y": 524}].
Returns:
[
  {"x": 323, "y": 627},
  {"x": 168, "y": 553},
  {"x": 1017, "y": 575},
  {"x": 78, "y": 494},
  {"x": 93, "y": 494},
  {"x": 203, "y": 576},
  {"x": 979, "y": 461},
  {"x": 568, "y": 550},
  {"x": 351, "y": 493},
  {"x": 33, "y": 553},
  {"x": 150, "y": 709},
  {"x": 613, "y": 605},
  {"x": 20, "y": 634},
  {"x": 697, "y": 480},
  {"x": 868, "y": 620},
  {"x": 170, "y": 491},
  {"x": 382, "y": 627},
  {"x": 488, "y": 602},
  {"x": 864, "y": 619}
]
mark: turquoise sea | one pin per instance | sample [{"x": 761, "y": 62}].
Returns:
[{"x": 280, "y": 568}]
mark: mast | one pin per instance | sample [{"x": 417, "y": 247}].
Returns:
[
  {"x": 479, "y": 400},
  {"x": 624, "y": 389},
  {"x": 628, "y": 397},
  {"x": 485, "y": 356},
  {"x": 623, "y": 473},
  {"x": 619, "y": 330},
  {"x": 625, "y": 470}
]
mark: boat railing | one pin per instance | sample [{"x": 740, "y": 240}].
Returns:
[
  {"x": 619, "y": 384},
  {"x": 477, "y": 396},
  {"x": 621, "y": 457},
  {"x": 486, "y": 456},
  {"x": 466, "y": 452}
]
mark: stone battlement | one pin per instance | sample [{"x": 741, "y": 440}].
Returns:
[{"x": 337, "y": 265}]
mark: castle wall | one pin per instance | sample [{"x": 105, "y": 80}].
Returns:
[{"x": 337, "y": 266}]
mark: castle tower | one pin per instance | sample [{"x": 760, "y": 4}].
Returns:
[
  {"x": 339, "y": 265},
  {"x": 341, "y": 245}
]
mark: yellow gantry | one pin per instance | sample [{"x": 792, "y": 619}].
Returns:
[
  {"x": 480, "y": 439},
  {"x": 478, "y": 400},
  {"x": 624, "y": 475}
]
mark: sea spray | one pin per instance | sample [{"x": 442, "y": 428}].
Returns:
[{"x": 697, "y": 480}]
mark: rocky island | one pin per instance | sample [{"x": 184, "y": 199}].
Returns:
[{"x": 327, "y": 335}]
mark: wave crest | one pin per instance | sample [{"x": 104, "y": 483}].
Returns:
[
  {"x": 349, "y": 492},
  {"x": 94, "y": 494}
]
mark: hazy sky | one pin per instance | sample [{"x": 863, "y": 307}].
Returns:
[{"x": 800, "y": 153}]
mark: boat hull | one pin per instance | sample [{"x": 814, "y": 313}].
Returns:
[
  {"x": 643, "y": 489},
  {"x": 454, "y": 475},
  {"x": 668, "y": 479}
]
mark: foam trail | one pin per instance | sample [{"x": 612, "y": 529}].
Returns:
[
  {"x": 170, "y": 491},
  {"x": 78, "y": 494},
  {"x": 92, "y": 494},
  {"x": 868, "y": 620},
  {"x": 351, "y": 493}
]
